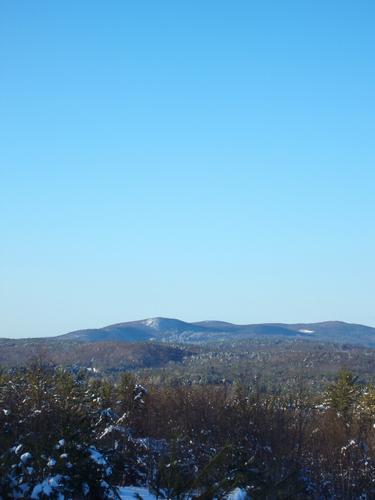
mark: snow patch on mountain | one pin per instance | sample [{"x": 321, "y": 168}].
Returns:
[{"x": 152, "y": 322}]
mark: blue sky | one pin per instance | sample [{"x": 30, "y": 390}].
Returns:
[{"x": 199, "y": 160}]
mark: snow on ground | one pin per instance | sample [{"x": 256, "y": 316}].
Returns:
[
  {"x": 131, "y": 492},
  {"x": 237, "y": 494},
  {"x": 47, "y": 487}
]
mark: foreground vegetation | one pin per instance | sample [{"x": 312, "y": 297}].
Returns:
[{"x": 65, "y": 435}]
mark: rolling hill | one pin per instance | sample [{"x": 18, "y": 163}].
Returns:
[
  {"x": 174, "y": 330},
  {"x": 115, "y": 356}
]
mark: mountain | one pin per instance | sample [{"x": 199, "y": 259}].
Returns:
[
  {"x": 136, "y": 331},
  {"x": 174, "y": 330}
]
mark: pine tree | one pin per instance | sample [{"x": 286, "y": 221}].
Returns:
[{"x": 343, "y": 395}]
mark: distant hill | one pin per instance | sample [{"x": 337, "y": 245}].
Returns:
[
  {"x": 101, "y": 356},
  {"x": 136, "y": 331},
  {"x": 174, "y": 330}
]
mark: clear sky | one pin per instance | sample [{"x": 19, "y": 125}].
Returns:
[{"x": 198, "y": 159}]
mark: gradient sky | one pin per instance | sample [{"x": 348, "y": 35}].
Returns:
[{"x": 198, "y": 159}]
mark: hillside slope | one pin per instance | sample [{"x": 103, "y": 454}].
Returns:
[
  {"x": 174, "y": 330},
  {"x": 116, "y": 356}
]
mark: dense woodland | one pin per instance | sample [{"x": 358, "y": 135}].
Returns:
[
  {"x": 275, "y": 361},
  {"x": 81, "y": 433},
  {"x": 276, "y": 364},
  {"x": 105, "y": 357}
]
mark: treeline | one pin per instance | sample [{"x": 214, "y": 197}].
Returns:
[
  {"x": 275, "y": 363},
  {"x": 67, "y": 436},
  {"x": 101, "y": 356}
]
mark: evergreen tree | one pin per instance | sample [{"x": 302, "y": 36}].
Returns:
[{"x": 343, "y": 395}]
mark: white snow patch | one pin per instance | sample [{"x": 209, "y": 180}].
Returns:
[
  {"x": 25, "y": 457},
  {"x": 60, "y": 444},
  {"x": 306, "y": 331},
  {"x": 46, "y": 487},
  {"x": 237, "y": 494},
  {"x": 96, "y": 456},
  {"x": 152, "y": 322},
  {"x": 51, "y": 462},
  {"x": 131, "y": 492}
]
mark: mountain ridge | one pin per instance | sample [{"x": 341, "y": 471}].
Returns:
[{"x": 174, "y": 330}]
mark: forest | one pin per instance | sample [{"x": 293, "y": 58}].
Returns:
[{"x": 83, "y": 433}]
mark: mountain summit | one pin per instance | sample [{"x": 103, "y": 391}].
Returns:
[{"x": 174, "y": 330}]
